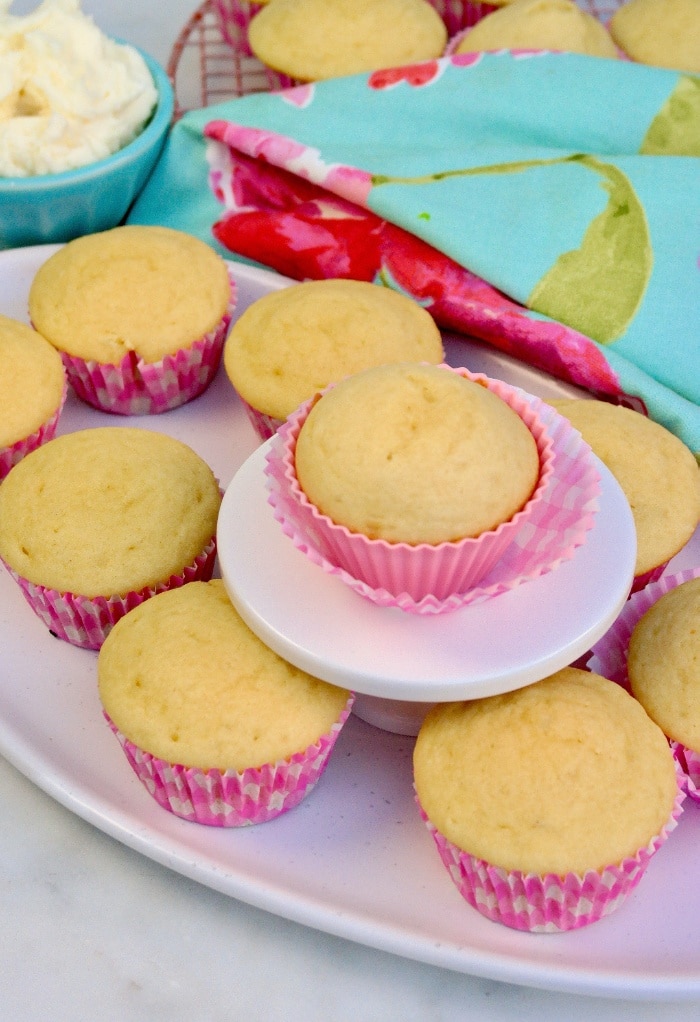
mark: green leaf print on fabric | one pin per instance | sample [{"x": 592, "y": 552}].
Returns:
[
  {"x": 675, "y": 131},
  {"x": 597, "y": 288}
]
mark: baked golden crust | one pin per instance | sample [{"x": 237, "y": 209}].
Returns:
[
  {"x": 184, "y": 678},
  {"x": 150, "y": 290},
  {"x": 565, "y": 775}
]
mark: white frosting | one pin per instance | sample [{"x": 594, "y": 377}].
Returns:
[{"x": 68, "y": 95}]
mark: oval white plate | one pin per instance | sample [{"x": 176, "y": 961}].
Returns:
[{"x": 354, "y": 859}]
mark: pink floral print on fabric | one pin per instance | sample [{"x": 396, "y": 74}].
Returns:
[
  {"x": 303, "y": 161},
  {"x": 299, "y": 95},
  {"x": 416, "y": 75}
]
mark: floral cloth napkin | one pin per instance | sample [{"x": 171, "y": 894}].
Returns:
[{"x": 546, "y": 203}]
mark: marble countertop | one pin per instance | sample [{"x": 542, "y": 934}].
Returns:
[{"x": 94, "y": 931}]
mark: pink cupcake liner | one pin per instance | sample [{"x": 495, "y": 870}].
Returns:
[
  {"x": 428, "y": 579},
  {"x": 653, "y": 575},
  {"x": 264, "y": 425},
  {"x": 229, "y": 798},
  {"x": 689, "y": 762},
  {"x": 609, "y": 658},
  {"x": 549, "y": 903},
  {"x": 87, "y": 621},
  {"x": 135, "y": 387},
  {"x": 234, "y": 17},
  {"x": 13, "y": 453}
]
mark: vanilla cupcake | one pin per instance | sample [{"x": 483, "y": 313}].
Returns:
[
  {"x": 292, "y": 343},
  {"x": 32, "y": 391},
  {"x": 538, "y": 25},
  {"x": 665, "y": 33},
  {"x": 656, "y": 471},
  {"x": 139, "y": 315},
  {"x": 311, "y": 40},
  {"x": 411, "y": 482},
  {"x": 546, "y": 803},
  {"x": 663, "y": 669},
  {"x": 218, "y": 727},
  {"x": 95, "y": 522}
]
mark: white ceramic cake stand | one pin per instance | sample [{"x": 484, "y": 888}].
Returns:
[{"x": 400, "y": 663}]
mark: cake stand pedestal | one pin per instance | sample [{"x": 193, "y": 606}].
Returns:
[{"x": 400, "y": 663}]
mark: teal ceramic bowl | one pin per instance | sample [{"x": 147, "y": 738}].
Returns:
[{"x": 52, "y": 208}]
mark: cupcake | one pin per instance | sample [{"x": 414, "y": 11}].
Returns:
[
  {"x": 139, "y": 315},
  {"x": 538, "y": 25},
  {"x": 95, "y": 522},
  {"x": 218, "y": 728},
  {"x": 547, "y": 803},
  {"x": 311, "y": 40},
  {"x": 292, "y": 343},
  {"x": 656, "y": 471},
  {"x": 32, "y": 391},
  {"x": 665, "y": 33},
  {"x": 411, "y": 481},
  {"x": 655, "y": 651}
]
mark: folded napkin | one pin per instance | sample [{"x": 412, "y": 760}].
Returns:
[{"x": 546, "y": 203}]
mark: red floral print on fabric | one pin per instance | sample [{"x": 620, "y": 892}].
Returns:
[
  {"x": 305, "y": 232},
  {"x": 414, "y": 74}
]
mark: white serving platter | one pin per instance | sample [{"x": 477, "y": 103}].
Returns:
[{"x": 354, "y": 859}]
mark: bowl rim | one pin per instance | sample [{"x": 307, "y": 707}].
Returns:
[{"x": 157, "y": 126}]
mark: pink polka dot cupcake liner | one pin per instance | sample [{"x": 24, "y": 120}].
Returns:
[
  {"x": 135, "y": 387},
  {"x": 230, "y": 798},
  {"x": 427, "y": 579},
  {"x": 13, "y": 453},
  {"x": 87, "y": 621},
  {"x": 609, "y": 658},
  {"x": 549, "y": 903}
]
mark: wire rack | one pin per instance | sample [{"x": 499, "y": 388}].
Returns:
[{"x": 211, "y": 60}]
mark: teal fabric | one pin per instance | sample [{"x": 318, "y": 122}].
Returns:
[{"x": 505, "y": 162}]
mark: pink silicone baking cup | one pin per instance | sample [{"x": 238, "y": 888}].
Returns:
[
  {"x": 87, "y": 621},
  {"x": 135, "y": 387},
  {"x": 427, "y": 579},
  {"x": 549, "y": 903},
  {"x": 230, "y": 798},
  {"x": 13, "y": 453},
  {"x": 609, "y": 658}
]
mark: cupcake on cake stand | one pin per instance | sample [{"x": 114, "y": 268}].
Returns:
[{"x": 506, "y": 632}]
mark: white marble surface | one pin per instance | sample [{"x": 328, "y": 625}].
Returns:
[{"x": 94, "y": 931}]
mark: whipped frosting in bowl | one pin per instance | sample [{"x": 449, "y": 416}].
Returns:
[{"x": 69, "y": 95}]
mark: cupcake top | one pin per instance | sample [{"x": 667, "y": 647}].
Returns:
[
  {"x": 542, "y": 25},
  {"x": 565, "y": 775},
  {"x": 291, "y": 343},
  {"x": 416, "y": 454},
  {"x": 107, "y": 511},
  {"x": 315, "y": 39},
  {"x": 663, "y": 663},
  {"x": 184, "y": 678},
  {"x": 656, "y": 471},
  {"x": 32, "y": 381},
  {"x": 665, "y": 33},
  {"x": 150, "y": 290}
]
